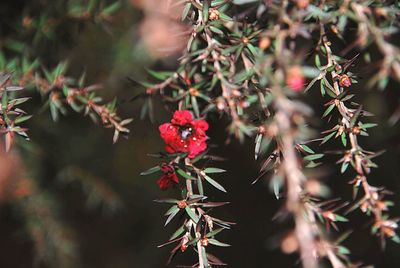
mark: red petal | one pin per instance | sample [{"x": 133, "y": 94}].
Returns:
[
  {"x": 200, "y": 124},
  {"x": 182, "y": 118},
  {"x": 174, "y": 178},
  {"x": 163, "y": 182},
  {"x": 196, "y": 147}
]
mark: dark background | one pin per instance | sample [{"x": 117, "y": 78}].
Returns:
[{"x": 128, "y": 236}]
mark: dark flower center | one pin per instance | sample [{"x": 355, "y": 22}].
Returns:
[{"x": 185, "y": 132}]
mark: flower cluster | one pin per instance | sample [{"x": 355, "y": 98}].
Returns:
[{"x": 184, "y": 135}]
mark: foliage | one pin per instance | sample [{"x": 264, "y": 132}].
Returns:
[
  {"x": 25, "y": 75},
  {"x": 249, "y": 60}
]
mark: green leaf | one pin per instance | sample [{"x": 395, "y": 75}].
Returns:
[
  {"x": 344, "y": 139},
  {"x": 214, "y": 183},
  {"x": 159, "y": 75},
  {"x": 214, "y": 232},
  {"x": 306, "y": 148},
  {"x": 252, "y": 49},
  {"x": 215, "y": 3},
  {"x": 344, "y": 167},
  {"x": 276, "y": 183},
  {"x": 53, "y": 111},
  {"x": 321, "y": 83},
  {"x": 310, "y": 72},
  {"x": 225, "y": 17},
  {"x": 191, "y": 214},
  {"x": 206, "y": 8},
  {"x": 243, "y": 2},
  {"x": 19, "y": 101},
  {"x": 204, "y": 257},
  {"x": 48, "y": 75},
  {"x": 214, "y": 170},
  {"x": 396, "y": 239},
  {"x": 317, "y": 12},
  {"x": 184, "y": 174},
  {"x": 340, "y": 218},
  {"x": 354, "y": 118},
  {"x": 200, "y": 185},
  {"x": 60, "y": 69},
  {"x": 15, "y": 45},
  {"x": 328, "y": 110},
  {"x": 65, "y": 90},
  {"x": 312, "y": 164},
  {"x": 193, "y": 241},
  {"x": 186, "y": 10},
  {"x": 178, "y": 232},
  {"x": 171, "y": 216},
  {"x": 257, "y": 146},
  {"x": 195, "y": 106},
  {"x": 317, "y": 61},
  {"x": 328, "y": 137},
  {"x": 383, "y": 83},
  {"x": 111, "y": 8},
  {"x": 215, "y": 242},
  {"x": 368, "y": 125},
  {"x": 4, "y": 102},
  {"x": 151, "y": 170},
  {"x": 167, "y": 200},
  {"x": 171, "y": 210},
  {"x": 243, "y": 76},
  {"x": 216, "y": 30},
  {"x": 21, "y": 119},
  {"x": 91, "y": 5},
  {"x": 313, "y": 157},
  {"x": 343, "y": 250}
]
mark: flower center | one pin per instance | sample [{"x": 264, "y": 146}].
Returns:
[{"x": 185, "y": 132}]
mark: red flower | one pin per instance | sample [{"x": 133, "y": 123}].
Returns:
[
  {"x": 169, "y": 177},
  {"x": 184, "y": 134}
]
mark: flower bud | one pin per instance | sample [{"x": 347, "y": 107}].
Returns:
[
  {"x": 313, "y": 187},
  {"x": 204, "y": 242},
  {"x": 289, "y": 244},
  {"x": 381, "y": 12},
  {"x": 193, "y": 92},
  {"x": 184, "y": 242},
  {"x": 184, "y": 247},
  {"x": 295, "y": 79},
  {"x": 27, "y": 22},
  {"x": 329, "y": 215},
  {"x": 302, "y": 4},
  {"x": 264, "y": 43},
  {"x": 181, "y": 204},
  {"x": 344, "y": 81},
  {"x": 214, "y": 14},
  {"x": 261, "y": 130},
  {"x": 356, "y": 130},
  {"x": 149, "y": 91},
  {"x": 221, "y": 104}
]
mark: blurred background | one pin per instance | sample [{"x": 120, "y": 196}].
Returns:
[{"x": 95, "y": 207}]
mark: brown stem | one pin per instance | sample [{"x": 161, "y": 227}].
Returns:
[
  {"x": 189, "y": 188},
  {"x": 346, "y": 117}
]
